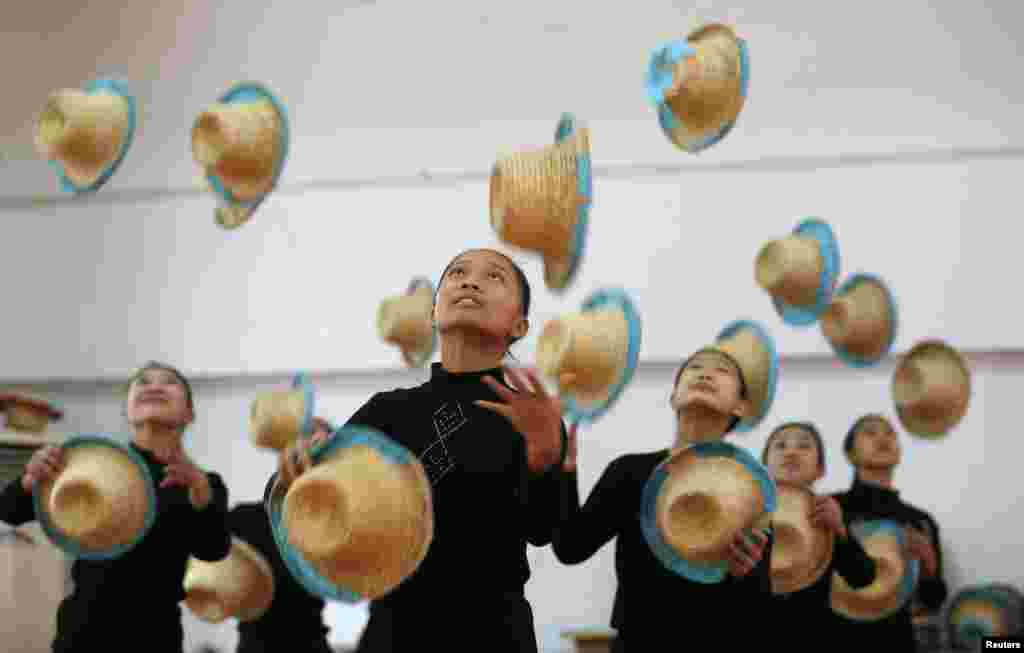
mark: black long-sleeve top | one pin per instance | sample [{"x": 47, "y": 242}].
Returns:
[
  {"x": 812, "y": 604},
  {"x": 294, "y": 620},
  {"x": 896, "y": 632},
  {"x": 487, "y": 507},
  {"x": 143, "y": 587},
  {"x": 651, "y": 603}
]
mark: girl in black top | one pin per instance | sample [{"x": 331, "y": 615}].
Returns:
[
  {"x": 709, "y": 398},
  {"x": 795, "y": 454},
  {"x": 143, "y": 587},
  {"x": 492, "y": 445},
  {"x": 873, "y": 449}
]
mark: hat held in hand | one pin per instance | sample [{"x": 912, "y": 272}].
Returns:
[
  {"x": 593, "y": 353},
  {"x": 931, "y": 388},
  {"x": 241, "y": 142},
  {"x": 698, "y": 86},
  {"x": 896, "y": 574},
  {"x": 86, "y": 133},
  {"x": 240, "y": 586},
  {"x": 359, "y": 521},
  {"x": 801, "y": 551},
  {"x": 101, "y": 503},
  {"x": 406, "y": 321},
  {"x": 800, "y": 272},
  {"x": 540, "y": 201},
  {"x": 278, "y": 418}
]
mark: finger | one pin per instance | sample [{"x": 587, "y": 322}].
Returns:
[
  {"x": 501, "y": 409},
  {"x": 535, "y": 385},
  {"x": 566, "y": 380},
  {"x": 499, "y": 389}
]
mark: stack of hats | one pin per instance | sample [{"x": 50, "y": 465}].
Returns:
[{"x": 27, "y": 420}]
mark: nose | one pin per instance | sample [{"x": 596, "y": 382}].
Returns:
[{"x": 470, "y": 284}]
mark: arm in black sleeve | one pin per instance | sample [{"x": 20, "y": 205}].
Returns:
[
  {"x": 16, "y": 504},
  {"x": 211, "y": 538},
  {"x": 853, "y": 563},
  {"x": 543, "y": 499},
  {"x": 933, "y": 591},
  {"x": 581, "y": 532},
  {"x": 757, "y": 585}
]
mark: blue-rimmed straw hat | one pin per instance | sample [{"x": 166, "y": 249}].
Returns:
[
  {"x": 278, "y": 418},
  {"x": 800, "y": 271},
  {"x": 931, "y": 388},
  {"x": 861, "y": 322},
  {"x": 896, "y": 574},
  {"x": 406, "y": 321},
  {"x": 241, "y": 586}
]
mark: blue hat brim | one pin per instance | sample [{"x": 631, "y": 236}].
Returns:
[
  {"x": 799, "y": 316},
  {"x": 117, "y": 87},
  {"x": 700, "y": 573},
  {"x": 301, "y": 382},
  {"x": 615, "y": 298},
  {"x": 243, "y": 94},
  {"x": 71, "y": 546},
  {"x": 908, "y": 584},
  {"x": 301, "y": 569},
  {"x": 750, "y": 422},
  {"x": 419, "y": 359},
  {"x": 966, "y": 630},
  {"x": 659, "y": 80},
  {"x": 849, "y": 358},
  {"x": 566, "y": 128}
]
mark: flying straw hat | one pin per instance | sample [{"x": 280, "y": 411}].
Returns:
[
  {"x": 27, "y": 414},
  {"x": 800, "y": 272},
  {"x": 85, "y": 134},
  {"x": 801, "y": 551},
  {"x": 242, "y": 143},
  {"x": 697, "y": 501},
  {"x": 980, "y": 611},
  {"x": 861, "y": 322},
  {"x": 240, "y": 586},
  {"x": 698, "y": 86},
  {"x": 406, "y": 321},
  {"x": 896, "y": 575},
  {"x": 359, "y": 521},
  {"x": 599, "y": 346},
  {"x": 540, "y": 201},
  {"x": 931, "y": 388},
  {"x": 102, "y": 502},
  {"x": 278, "y": 418},
  {"x": 753, "y": 348},
  {"x": 591, "y": 640}
]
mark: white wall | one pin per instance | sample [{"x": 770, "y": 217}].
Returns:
[{"x": 966, "y": 481}]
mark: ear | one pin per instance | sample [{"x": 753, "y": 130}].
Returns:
[{"x": 520, "y": 328}]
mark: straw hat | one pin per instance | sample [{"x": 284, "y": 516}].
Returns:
[
  {"x": 801, "y": 552},
  {"x": 239, "y": 586},
  {"x": 406, "y": 321},
  {"x": 86, "y": 133},
  {"x": 753, "y": 348},
  {"x": 896, "y": 574},
  {"x": 800, "y": 272},
  {"x": 101, "y": 503},
  {"x": 599, "y": 345},
  {"x": 696, "y": 503},
  {"x": 931, "y": 388},
  {"x": 982, "y": 611},
  {"x": 540, "y": 201},
  {"x": 698, "y": 86},
  {"x": 242, "y": 143},
  {"x": 860, "y": 323},
  {"x": 591, "y": 640},
  {"x": 277, "y": 419},
  {"x": 359, "y": 521},
  {"x": 27, "y": 414}
]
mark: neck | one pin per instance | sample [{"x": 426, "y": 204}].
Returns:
[
  {"x": 156, "y": 437},
  {"x": 881, "y": 476},
  {"x": 465, "y": 352},
  {"x": 698, "y": 423}
]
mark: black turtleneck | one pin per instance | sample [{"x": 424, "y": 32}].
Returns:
[
  {"x": 145, "y": 585},
  {"x": 866, "y": 501},
  {"x": 487, "y": 506},
  {"x": 650, "y": 600}
]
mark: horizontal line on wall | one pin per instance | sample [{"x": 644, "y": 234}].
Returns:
[
  {"x": 429, "y": 178},
  {"x": 798, "y": 362}
]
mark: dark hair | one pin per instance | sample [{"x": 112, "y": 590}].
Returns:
[
  {"x": 806, "y": 426},
  {"x": 524, "y": 283},
  {"x": 739, "y": 372},
  {"x": 848, "y": 441},
  {"x": 156, "y": 365}
]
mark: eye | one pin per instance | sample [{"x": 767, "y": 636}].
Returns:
[
  {"x": 455, "y": 270},
  {"x": 497, "y": 275}
]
